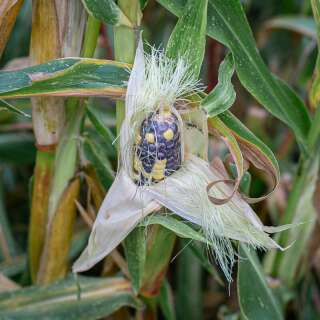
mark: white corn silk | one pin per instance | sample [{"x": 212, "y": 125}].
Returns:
[{"x": 156, "y": 80}]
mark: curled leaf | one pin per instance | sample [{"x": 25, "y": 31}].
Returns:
[
  {"x": 255, "y": 151},
  {"x": 236, "y": 154}
]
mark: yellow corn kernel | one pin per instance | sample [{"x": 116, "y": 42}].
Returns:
[
  {"x": 149, "y": 137},
  {"x": 168, "y": 134}
]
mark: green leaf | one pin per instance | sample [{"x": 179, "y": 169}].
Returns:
[
  {"x": 199, "y": 253},
  {"x": 12, "y": 108},
  {"x": 188, "y": 39},
  {"x": 301, "y": 211},
  {"x": 255, "y": 297},
  {"x": 160, "y": 243},
  {"x": 107, "y": 11},
  {"x": 100, "y": 127},
  {"x": 74, "y": 299},
  {"x": 180, "y": 228},
  {"x": 189, "y": 279},
  {"x": 227, "y": 24},
  {"x": 66, "y": 77},
  {"x": 135, "y": 250},
  {"x": 165, "y": 299},
  {"x": 143, "y": 4},
  {"x": 65, "y": 163},
  {"x": 223, "y": 96},
  {"x": 295, "y": 23},
  {"x": 100, "y": 162},
  {"x": 245, "y": 180}
]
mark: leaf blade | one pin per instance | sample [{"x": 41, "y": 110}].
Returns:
[
  {"x": 70, "y": 298},
  {"x": 251, "y": 70},
  {"x": 188, "y": 38},
  {"x": 107, "y": 11},
  {"x": 66, "y": 77},
  {"x": 223, "y": 96},
  {"x": 255, "y": 297}
]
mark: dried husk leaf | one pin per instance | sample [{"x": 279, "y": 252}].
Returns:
[
  {"x": 8, "y": 13},
  {"x": 123, "y": 207},
  {"x": 56, "y": 247}
]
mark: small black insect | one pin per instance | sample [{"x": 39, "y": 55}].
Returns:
[{"x": 158, "y": 147}]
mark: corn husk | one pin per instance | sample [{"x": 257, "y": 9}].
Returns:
[{"x": 154, "y": 81}]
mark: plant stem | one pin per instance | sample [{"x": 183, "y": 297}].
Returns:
[
  {"x": 57, "y": 246},
  {"x": 39, "y": 208},
  {"x": 125, "y": 44},
  {"x": 48, "y": 121},
  {"x": 64, "y": 192}
]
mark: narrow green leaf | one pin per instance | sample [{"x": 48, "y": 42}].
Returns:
[
  {"x": 135, "y": 250},
  {"x": 12, "y": 108},
  {"x": 65, "y": 163},
  {"x": 227, "y": 24},
  {"x": 101, "y": 128},
  {"x": 143, "y": 4},
  {"x": 100, "y": 162},
  {"x": 294, "y": 23},
  {"x": 180, "y": 228},
  {"x": 69, "y": 299},
  {"x": 255, "y": 297},
  {"x": 189, "y": 279},
  {"x": 160, "y": 243},
  {"x": 223, "y": 96},
  {"x": 304, "y": 213},
  {"x": 188, "y": 39},
  {"x": 107, "y": 11},
  {"x": 201, "y": 253},
  {"x": 66, "y": 77},
  {"x": 166, "y": 301},
  {"x": 79, "y": 242},
  {"x": 245, "y": 180}
]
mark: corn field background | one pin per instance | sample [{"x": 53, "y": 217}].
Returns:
[{"x": 64, "y": 71}]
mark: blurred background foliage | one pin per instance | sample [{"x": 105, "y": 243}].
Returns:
[{"x": 285, "y": 33}]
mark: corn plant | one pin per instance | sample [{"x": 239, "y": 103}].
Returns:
[{"x": 151, "y": 196}]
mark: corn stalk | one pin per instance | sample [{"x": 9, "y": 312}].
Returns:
[
  {"x": 57, "y": 31},
  {"x": 48, "y": 121},
  {"x": 65, "y": 188}
]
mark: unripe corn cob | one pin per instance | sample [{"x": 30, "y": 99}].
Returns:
[{"x": 158, "y": 147}]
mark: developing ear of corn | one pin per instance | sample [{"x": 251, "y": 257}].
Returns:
[{"x": 158, "y": 147}]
